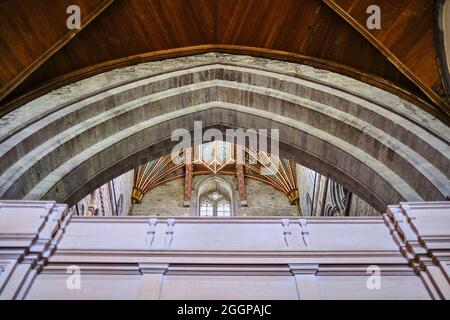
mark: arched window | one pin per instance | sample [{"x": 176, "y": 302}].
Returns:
[
  {"x": 223, "y": 209},
  {"x": 215, "y": 198},
  {"x": 206, "y": 209}
]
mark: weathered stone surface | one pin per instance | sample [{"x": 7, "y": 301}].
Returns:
[
  {"x": 377, "y": 145},
  {"x": 167, "y": 200}
]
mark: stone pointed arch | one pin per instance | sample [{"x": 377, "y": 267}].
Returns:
[
  {"x": 382, "y": 148},
  {"x": 226, "y": 188}
]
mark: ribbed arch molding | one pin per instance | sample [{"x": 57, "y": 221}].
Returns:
[{"x": 62, "y": 145}]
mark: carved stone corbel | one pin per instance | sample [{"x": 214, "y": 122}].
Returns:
[
  {"x": 286, "y": 231},
  {"x": 169, "y": 233},
  {"x": 151, "y": 232},
  {"x": 304, "y": 231}
]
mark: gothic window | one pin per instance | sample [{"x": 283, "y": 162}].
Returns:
[
  {"x": 206, "y": 209},
  {"x": 215, "y": 198},
  {"x": 223, "y": 209}
]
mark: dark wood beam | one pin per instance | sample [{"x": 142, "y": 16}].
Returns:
[
  {"x": 440, "y": 102},
  {"x": 20, "y": 77},
  {"x": 232, "y": 49}
]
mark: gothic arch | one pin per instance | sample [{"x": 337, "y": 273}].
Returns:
[
  {"x": 377, "y": 145},
  {"x": 227, "y": 188}
]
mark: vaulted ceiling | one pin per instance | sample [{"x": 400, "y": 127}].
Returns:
[
  {"x": 38, "y": 53},
  {"x": 162, "y": 170}
]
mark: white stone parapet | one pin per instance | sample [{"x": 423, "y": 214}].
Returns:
[{"x": 403, "y": 255}]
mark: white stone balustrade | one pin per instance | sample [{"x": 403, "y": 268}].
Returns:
[{"x": 224, "y": 258}]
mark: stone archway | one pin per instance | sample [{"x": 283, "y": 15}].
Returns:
[
  {"x": 362, "y": 137},
  {"x": 215, "y": 184}
]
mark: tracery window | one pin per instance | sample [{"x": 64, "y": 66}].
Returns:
[
  {"x": 206, "y": 209},
  {"x": 223, "y": 209}
]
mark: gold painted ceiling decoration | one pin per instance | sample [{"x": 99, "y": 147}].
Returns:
[
  {"x": 153, "y": 174},
  {"x": 284, "y": 177},
  {"x": 218, "y": 158}
]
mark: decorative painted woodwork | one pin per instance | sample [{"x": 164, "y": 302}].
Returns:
[{"x": 209, "y": 161}]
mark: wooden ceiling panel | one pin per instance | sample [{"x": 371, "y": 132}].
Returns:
[
  {"x": 30, "y": 31},
  {"x": 304, "y": 27},
  {"x": 307, "y": 31},
  {"x": 134, "y": 27},
  {"x": 406, "y": 38}
]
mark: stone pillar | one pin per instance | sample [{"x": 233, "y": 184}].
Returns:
[
  {"x": 240, "y": 176},
  {"x": 422, "y": 232},
  {"x": 152, "y": 274},
  {"x": 91, "y": 207},
  {"x": 188, "y": 185},
  {"x": 305, "y": 278}
]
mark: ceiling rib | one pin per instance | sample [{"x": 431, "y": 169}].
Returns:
[{"x": 440, "y": 103}]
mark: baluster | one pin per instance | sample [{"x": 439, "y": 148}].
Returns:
[
  {"x": 169, "y": 232},
  {"x": 305, "y": 232},
  {"x": 286, "y": 231},
  {"x": 151, "y": 232}
]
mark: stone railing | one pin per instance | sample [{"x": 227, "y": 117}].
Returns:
[
  {"x": 29, "y": 232},
  {"x": 403, "y": 255},
  {"x": 422, "y": 231}
]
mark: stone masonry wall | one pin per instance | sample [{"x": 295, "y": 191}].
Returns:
[
  {"x": 167, "y": 200},
  {"x": 265, "y": 200}
]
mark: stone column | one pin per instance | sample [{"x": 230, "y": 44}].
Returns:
[
  {"x": 240, "y": 176},
  {"x": 188, "y": 185},
  {"x": 305, "y": 278},
  {"x": 152, "y": 274}
]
